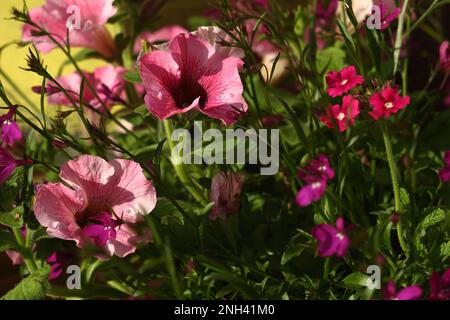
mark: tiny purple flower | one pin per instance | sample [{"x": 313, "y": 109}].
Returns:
[
  {"x": 332, "y": 240},
  {"x": 408, "y": 293}
]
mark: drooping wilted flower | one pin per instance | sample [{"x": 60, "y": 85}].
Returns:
[{"x": 225, "y": 192}]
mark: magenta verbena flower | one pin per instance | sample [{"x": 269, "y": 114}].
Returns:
[
  {"x": 226, "y": 188},
  {"x": 104, "y": 200},
  {"x": 340, "y": 82},
  {"x": 191, "y": 75},
  {"x": 332, "y": 240},
  {"x": 83, "y": 20},
  {"x": 408, "y": 293},
  {"x": 8, "y": 164},
  {"x": 444, "y": 173},
  {"x": 342, "y": 116},
  {"x": 316, "y": 176},
  {"x": 440, "y": 286},
  {"x": 444, "y": 56},
  {"x": 10, "y": 131},
  {"x": 387, "y": 102}
]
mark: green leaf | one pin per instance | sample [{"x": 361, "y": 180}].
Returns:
[
  {"x": 7, "y": 241},
  {"x": 13, "y": 219},
  {"x": 329, "y": 59},
  {"x": 445, "y": 250},
  {"x": 433, "y": 218},
  {"x": 355, "y": 281},
  {"x": 292, "y": 252},
  {"x": 133, "y": 77},
  {"x": 404, "y": 198},
  {"x": 32, "y": 287}
]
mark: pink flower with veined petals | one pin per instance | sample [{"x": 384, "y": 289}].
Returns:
[
  {"x": 440, "y": 286},
  {"x": 387, "y": 102},
  {"x": 340, "y": 82},
  {"x": 388, "y": 14},
  {"x": 225, "y": 192},
  {"x": 332, "y": 240},
  {"x": 444, "y": 56},
  {"x": 316, "y": 176},
  {"x": 85, "y": 20},
  {"x": 10, "y": 131},
  {"x": 104, "y": 200},
  {"x": 408, "y": 293},
  {"x": 107, "y": 81},
  {"x": 191, "y": 75},
  {"x": 8, "y": 164},
  {"x": 343, "y": 116},
  {"x": 444, "y": 173},
  {"x": 162, "y": 35}
]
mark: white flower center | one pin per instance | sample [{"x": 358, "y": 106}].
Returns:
[
  {"x": 316, "y": 185},
  {"x": 7, "y": 122},
  {"x": 341, "y": 116},
  {"x": 344, "y": 82},
  {"x": 340, "y": 236},
  {"x": 388, "y": 105},
  {"x": 322, "y": 169}
]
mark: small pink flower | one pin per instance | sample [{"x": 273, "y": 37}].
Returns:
[
  {"x": 408, "y": 293},
  {"x": 444, "y": 56},
  {"x": 331, "y": 240},
  {"x": 316, "y": 176},
  {"x": 191, "y": 75},
  {"x": 388, "y": 14},
  {"x": 107, "y": 81},
  {"x": 444, "y": 173},
  {"x": 85, "y": 21},
  {"x": 58, "y": 260},
  {"x": 225, "y": 192},
  {"x": 102, "y": 205},
  {"x": 387, "y": 102},
  {"x": 343, "y": 116},
  {"x": 10, "y": 131},
  {"x": 8, "y": 164},
  {"x": 440, "y": 286},
  {"x": 162, "y": 35},
  {"x": 340, "y": 82}
]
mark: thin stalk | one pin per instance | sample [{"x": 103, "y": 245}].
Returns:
[{"x": 26, "y": 253}]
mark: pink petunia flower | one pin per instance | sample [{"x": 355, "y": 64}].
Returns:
[
  {"x": 102, "y": 205},
  {"x": 316, "y": 176},
  {"x": 444, "y": 173},
  {"x": 162, "y": 35},
  {"x": 225, "y": 192},
  {"x": 340, "y": 82},
  {"x": 191, "y": 75},
  {"x": 440, "y": 286},
  {"x": 343, "y": 116},
  {"x": 10, "y": 131},
  {"x": 332, "y": 240},
  {"x": 8, "y": 164},
  {"x": 107, "y": 81},
  {"x": 85, "y": 20},
  {"x": 408, "y": 293},
  {"x": 387, "y": 102},
  {"x": 444, "y": 56}
]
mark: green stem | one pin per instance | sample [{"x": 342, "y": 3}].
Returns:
[
  {"x": 26, "y": 253},
  {"x": 399, "y": 38},
  {"x": 395, "y": 185},
  {"x": 180, "y": 170}
]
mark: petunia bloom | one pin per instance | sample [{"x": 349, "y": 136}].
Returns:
[
  {"x": 387, "y": 102},
  {"x": 440, "y": 286},
  {"x": 84, "y": 21},
  {"x": 101, "y": 207},
  {"x": 191, "y": 75},
  {"x": 332, "y": 240},
  {"x": 107, "y": 81},
  {"x": 8, "y": 164},
  {"x": 225, "y": 192},
  {"x": 10, "y": 131},
  {"x": 444, "y": 173},
  {"x": 316, "y": 176},
  {"x": 408, "y": 293},
  {"x": 444, "y": 56},
  {"x": 343, "y": 116},
  {"x": 340, "y": 82}
]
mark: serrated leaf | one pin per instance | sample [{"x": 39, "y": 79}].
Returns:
[
  {"x": 404, "y": 198},
  {"x": 445, "y": 250}
]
